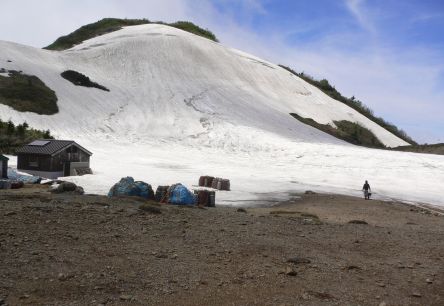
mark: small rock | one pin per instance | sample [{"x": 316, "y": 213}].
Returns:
[
  {"x": 310, "y": 192},
  {"x": 65, "y": 187},
  {"x": 290, "y": 272},
  {"x": 383, "y": 304},
  {"x": 429, "y": 281},
  {"x": 174, "y": 256},
  {"x": 381, "y": 285},
  {"x": 10, "y": 213},
  {"x": 2, "y": 302},
  {"x": 416, "y": 294},
  {"x": 62, "y": 277},
  {"x": 243, "y": 210},
  {"x": 125, "y": 297}
]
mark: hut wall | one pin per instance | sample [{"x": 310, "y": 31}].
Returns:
[{"x": 33, "y": 162}]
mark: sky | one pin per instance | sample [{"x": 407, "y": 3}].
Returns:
[{"x": 389, "y": 54}]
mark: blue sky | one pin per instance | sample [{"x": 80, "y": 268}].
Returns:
[{"x": 389, "y": 54}]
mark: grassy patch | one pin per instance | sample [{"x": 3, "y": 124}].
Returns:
[
  {"x": 79, "y": 79},
  {"x": 284, "y": 212},
  {"x": 13, "y": 137},
  {"x": 307, "y": 215},
  {"x": 348, "y": 131},
  {"x": 358, "y": 222},
  {"x": 27, "y": 93},
  {"x": 108, "y": 25},
  {"x": 352, "y": 102}
]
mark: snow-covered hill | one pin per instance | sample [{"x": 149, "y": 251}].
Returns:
[{"x": 181, "y": 106}]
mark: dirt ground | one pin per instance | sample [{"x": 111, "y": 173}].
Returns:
[{"x": 92, "y": 250}]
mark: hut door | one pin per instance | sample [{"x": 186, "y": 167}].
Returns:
[{"x": 67, "y": 168}]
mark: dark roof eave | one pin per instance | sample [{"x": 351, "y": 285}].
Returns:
[{"x": 73, "y": 143}]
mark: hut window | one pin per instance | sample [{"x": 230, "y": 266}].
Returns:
[
  {"x": 72, "y": 149},
  {"x": 33, "y": 161}
]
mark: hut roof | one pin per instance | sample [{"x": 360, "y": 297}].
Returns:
[{"x": 48, "y": 147}]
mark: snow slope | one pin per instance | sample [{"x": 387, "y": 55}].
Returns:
[{"x": 181, "y": 106}]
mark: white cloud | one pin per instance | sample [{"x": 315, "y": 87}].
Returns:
[{"x": 356, "y": 9}]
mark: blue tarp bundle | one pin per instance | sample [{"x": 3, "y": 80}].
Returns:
[
  {"x": 128, "y": 187},
  {"x": 180, "y": 195},
  {"x": 27, "y": 179}
]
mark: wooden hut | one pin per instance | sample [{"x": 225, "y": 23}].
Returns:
[{"x": 51, "y": 158}]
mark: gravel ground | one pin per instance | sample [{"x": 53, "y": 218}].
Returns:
[{"x": 92, "y": 250}]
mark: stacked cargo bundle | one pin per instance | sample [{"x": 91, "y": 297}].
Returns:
[
  {"x": 205, "y": 198},
  {"x": 221, "y": 184},
  {"x": 162, "y": 194},
  {"x": 206, "y": 181}
]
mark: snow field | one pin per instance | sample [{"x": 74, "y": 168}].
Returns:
[{"x": 181, "y": 106}]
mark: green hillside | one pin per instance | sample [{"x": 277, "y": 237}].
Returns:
[
  {"x": 357, "y": 105},
  {"x": 27, "y": 93},
  {"x": 350, "y": 132}
]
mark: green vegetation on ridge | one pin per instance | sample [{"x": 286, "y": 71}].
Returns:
[
  {"x": 108, "y": 25},
  {"x": 437, "y": 148},
  {"x": 346, "y": 130},
  {"x": 27, "y": 93},
  {"x": 13, "y": 137},
  {"x": 357, "y": 105}
]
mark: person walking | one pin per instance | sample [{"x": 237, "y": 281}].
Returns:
[{"x": 367, "y": 190}]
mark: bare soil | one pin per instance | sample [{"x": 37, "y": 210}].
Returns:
[{"x": 92, "y": 250}]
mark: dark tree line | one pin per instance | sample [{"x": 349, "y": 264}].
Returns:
[{"x": 14, "y": 136}]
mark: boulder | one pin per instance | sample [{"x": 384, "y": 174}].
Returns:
[
  {"x": 17, "y": 184},
  {"x": 68, "y": 187}
]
